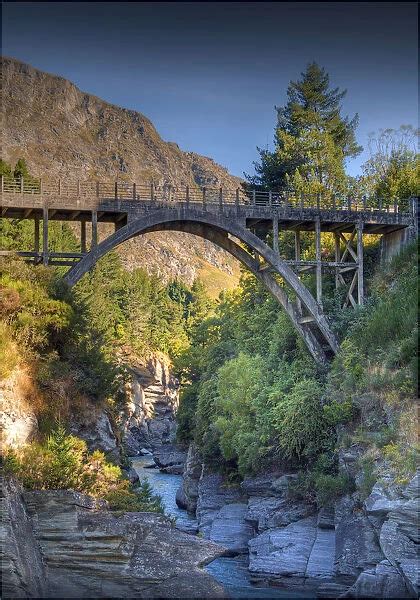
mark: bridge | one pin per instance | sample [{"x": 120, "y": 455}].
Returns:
[{"x": 239, "y": 221}]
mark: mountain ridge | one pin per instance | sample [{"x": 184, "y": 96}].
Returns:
[{"x": 65, "y": 132}]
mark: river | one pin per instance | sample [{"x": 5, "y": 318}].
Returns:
[{"x": 232, "y": 573}]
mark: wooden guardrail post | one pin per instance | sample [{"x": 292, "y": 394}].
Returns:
[
  {"x": 59, "y": 187},
  {"x": 94, "y": 229},
  {"x": 221, "y": 196},
  {"x": 97, "y": 189},
  {"x": 116, "y": 190},
  {"x": 134, "y": 192},
  {"x": 364, "y": 201},
  {"x": 21, "y": 184},
  {"x": 395, "y": 205},
  {"x": 152, "y": 191},
  {"x": 78, "y": 188},
  {"x": 187, "y": 194},
  {"x": 204, "y": 196},
  {"x": 270, "y": 198},
  {"x": 41, "y": 188},
  {"x": 2, "y": 184},
  {"x": 253, "y": 197},
  {"x": 349, "y": 202},
  {"x": 237, "y": 198},
  {"x": 45, "y": 235}
]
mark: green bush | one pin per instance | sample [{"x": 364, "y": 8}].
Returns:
[{"x": 63, "y": 462}]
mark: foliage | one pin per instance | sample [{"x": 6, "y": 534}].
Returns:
[
  {"x": 63, "y": 462},
  {"x": 312, "y": 139}
]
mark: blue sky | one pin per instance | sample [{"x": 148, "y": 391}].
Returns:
[{"x": 209, "y": 74}]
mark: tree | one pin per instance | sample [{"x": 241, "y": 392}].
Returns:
[
  {"x": 391, "y": 172},
  {"x": 312, "y": 139},
  {"x": 21, "y": 170}
]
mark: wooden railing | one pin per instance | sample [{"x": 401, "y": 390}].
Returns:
[{"x": 121, "y": 190}]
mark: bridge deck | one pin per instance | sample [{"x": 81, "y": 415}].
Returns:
[{"x": 290, "y": 216}]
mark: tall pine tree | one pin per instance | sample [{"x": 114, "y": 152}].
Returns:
[{"x": 312, "y": 139}]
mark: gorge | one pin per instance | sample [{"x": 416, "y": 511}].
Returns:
[{"x": 279, "y": 476}]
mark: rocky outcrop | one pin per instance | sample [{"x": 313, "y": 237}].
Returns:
[
  {"x": 83, "y": 551},
  {"x": 170, "y": 459},
  {"x": 187, "y": 494},
  {"x": 18, "y": 422},
  {"x": 149, "y": 418},
  {"x": 95, "y": 428},
  {"x": 22, "y": 568},
  {"x": 221, "y": 514}
]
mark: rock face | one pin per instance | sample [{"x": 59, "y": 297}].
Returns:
[
  {"x": 63, "y": 132},
  {"x": 76, "y": 549},
  {"x": 149, "y": 420},
  {"x": 221, "y": 514},
  {"x": 187, "y": 494},
  {"x": 18, "y": 423},
  {"x": 95, "y": 428}
]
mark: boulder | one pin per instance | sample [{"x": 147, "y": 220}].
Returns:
[
  {"x": 92, "y": 553},
  {"x": 272, "y": 512},
  {"x": 96, "y": 429},
  {"x": 170, "y": 456},
  {"x": 230, "y": 529},
  {"x": 191, "y": 475},
  {"x": 383, "y": 581}
]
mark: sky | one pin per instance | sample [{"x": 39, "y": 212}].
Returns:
[{"x": 209, "y": 74}]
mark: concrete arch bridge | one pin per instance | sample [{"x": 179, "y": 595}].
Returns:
[{"x": 237, "y": 221}]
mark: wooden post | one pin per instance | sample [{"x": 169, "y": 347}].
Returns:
[
  {"x": 253, "y": 197},
  {"x": 83, "y": 236},
  {"x": 2, "y": 184},
  {"x": 364, "y": 202},
  {"x": 94, "y": 229},
  {"x": 318, "y": 201},
  {"x": 97, "y": 189},
  {"x": 349, "y": 202},
  {"x": 337, "y": 260},
  {"x": 360, "y": 291},
  {"x": 395, "y": 205},
  {"x": 21, "y": 184},
  {"x": 270, "y": 198},
  {"x": 45, "y": 235},
  {"x": 297, "y": 258},
  {"x": 302, "y": 201},
  {"x": 204, "y": 196},
  {"x": 187, "y": 194},
  {"x": 134, "y": 192},
  {"x": 78, "y": 188},
  {"x": 116, "y": 190},
  {"x": 221, "y": 196},
  {"x": 40, "y": 187},
  {"x": 152, "y": 191},
  {"x": 59, "y": 187},
  {"x": 237, "y": 198},
  {"x": 318, "y": 261},
  {"x": 36, "y": 225},
  {"x": 276, "y": 234}
]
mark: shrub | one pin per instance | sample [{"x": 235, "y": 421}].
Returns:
[{"x": 63, "y": 462}]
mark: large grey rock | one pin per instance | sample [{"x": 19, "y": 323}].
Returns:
[
  {"x": 96, "y": 429},
  {"x": 357, "y": 546},
  {"x": 260, "y": 485},
  {"x": 402, "y": 552},
  {"x": 299, "y": 550},
  {"x": 230, "y": 529},
  {"x": 213, "y": 494},
  {"x": 91, "y": 553},
  {"x": 167, "y": 457},
  {"x": 272, "y": 512},
  {"x": 193, "y": 469},
  {"x": 22, "y": 569},
  {"x": 383, "y": 581}
]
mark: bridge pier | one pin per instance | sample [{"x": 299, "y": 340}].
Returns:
[
  {"x": 318, "y": 261},
  {"x": 45, "y": 236}
]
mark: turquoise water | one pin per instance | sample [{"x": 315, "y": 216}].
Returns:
[{"x": 232, "y": 573}]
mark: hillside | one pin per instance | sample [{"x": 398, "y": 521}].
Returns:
[{"x": 65, "y": 132}]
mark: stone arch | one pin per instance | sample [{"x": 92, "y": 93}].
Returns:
[{"x": 217, "y": 229}]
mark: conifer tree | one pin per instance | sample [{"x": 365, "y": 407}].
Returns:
[{"x": 312, "y": 139}]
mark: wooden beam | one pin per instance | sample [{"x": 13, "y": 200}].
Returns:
[
  {"x": 360, "y": 291},
  {"x": 27, "y": 212},
  {"x": 83, "y": 237},
  {"x": 337, "y": 259},
  {"x": 276, "y": 234},
  {"x": 36, "y": 233},
  {"x": 45, "y": 235},
  {"x": 94, "y": 241},
  {"x": 348, "y": 248},
  {"x": 318, "y": 261}
]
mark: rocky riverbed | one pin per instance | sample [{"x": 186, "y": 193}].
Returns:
[{"x": 351, "y": 549}]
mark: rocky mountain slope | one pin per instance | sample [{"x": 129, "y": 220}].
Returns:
[{"x": 64, "y": 132}]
